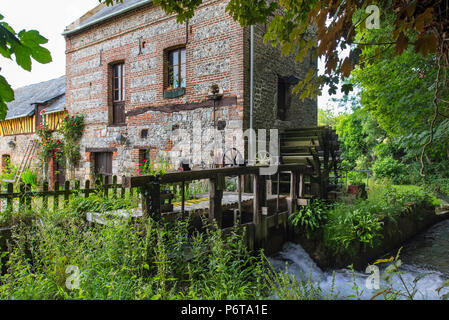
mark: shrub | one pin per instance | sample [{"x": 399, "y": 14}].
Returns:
[
  {"x": 353, "y": 225},
  {"x": 29, "y": 177},
  {"x": 310, "y": 217},
  {"x": 389, "y": 168}
]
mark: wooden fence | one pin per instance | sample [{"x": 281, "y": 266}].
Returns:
[
  {"x": 264, "y": 216},
  {"x": 107, "y": 186}
]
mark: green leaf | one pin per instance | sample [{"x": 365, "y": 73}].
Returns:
[
  {"x": 41, "y": 55},
  {"x": 6, "y": 92}
]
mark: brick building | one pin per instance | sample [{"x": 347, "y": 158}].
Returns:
[
  {"x": 139, "y": 76},
  {"x": 144, "y": 84}
]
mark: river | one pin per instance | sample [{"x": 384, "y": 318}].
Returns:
[{"x": 427, "y": 253}]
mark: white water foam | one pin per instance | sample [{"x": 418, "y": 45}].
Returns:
[{"x": 299, "y": 264}]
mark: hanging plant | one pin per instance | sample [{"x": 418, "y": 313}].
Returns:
[
  {"x": 49, "y": 147},
  {"x": 72, "y": 129}
]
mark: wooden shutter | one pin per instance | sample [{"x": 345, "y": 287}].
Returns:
[
  {"x": 103, "y": 163},
  {"x": 118, "y": 113}
]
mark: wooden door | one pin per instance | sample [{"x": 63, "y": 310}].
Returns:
[{"x": 103, "y": 163}]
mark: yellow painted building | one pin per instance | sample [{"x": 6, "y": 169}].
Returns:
[{"x": 32, "y": 105}]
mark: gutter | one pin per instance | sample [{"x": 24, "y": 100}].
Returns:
[
  {"x": 251, "y": 86},
  {"x": 107, "y": 17}
]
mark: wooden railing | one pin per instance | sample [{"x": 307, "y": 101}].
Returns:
[{"x": 151, "y": 189}]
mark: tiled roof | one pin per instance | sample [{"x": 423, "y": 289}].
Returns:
[{"x": 27, "y": 97}]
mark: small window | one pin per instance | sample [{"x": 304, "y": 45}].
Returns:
[
  {"x": 118, "y": 94},
  {"x": 177, "y": 68},
  {"x": 144, "y": 134},
  {"x": 6, "y": 160},
  {"x": 118, "y": 91},
  {"x": 282, "y": 105},
  {"x": 103, "y": 163},
  {"x": 144, "y": 155}
]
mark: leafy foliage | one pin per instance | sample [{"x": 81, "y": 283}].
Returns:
[
  {"x": 311, "y": 217},
  {"x": 389, "y": 168},
  {"x": 72, "y": 129},
  {"x": 289, "y": 26},
  {"x": 49, "y": 147},
  {"x": 24, "y": 46}
]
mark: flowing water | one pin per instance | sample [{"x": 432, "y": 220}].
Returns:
[{"x": 427, "y": 253}]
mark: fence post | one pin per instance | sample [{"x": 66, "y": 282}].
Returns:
[
  {"x": 66, "y": 192},
  {"x": 114, "y": 187},
  {"x": 56, "y": 196},
  {"x": 216, "y": 186},
  {"x": 28, "y": 196},
  {"x": 86, "y": 188},
  {"x": 106, "y": 186},
  {"x": 21, "y": 196},
  {"x": 122, "y": 189},
  {"x": 151, "y": 199},
  {"x": 293, "y": 190},
  {"x": 9, "y": 200},
  {"x": 260, "y": 197},
  {"x": 45, "y": 196}
]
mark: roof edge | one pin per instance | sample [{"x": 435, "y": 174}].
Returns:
[{"x": 107, "y": 17}]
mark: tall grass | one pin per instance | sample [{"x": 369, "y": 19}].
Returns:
[{"x": 127, "y": 259}]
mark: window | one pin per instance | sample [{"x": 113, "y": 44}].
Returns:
[
  {"x": 144, "y": 155},
  {"x": 6, "y": 160},
  {"x": 283, "y": 89},
  {"x": 103, "y": 163},
  {"x": 144, "y": 134},
  {"x": 118, "y": 94},
  {"x": 118, "y": 82},
  {"x": 177, "y": 68}
]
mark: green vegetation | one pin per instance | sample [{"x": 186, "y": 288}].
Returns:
[
  {"x": 126, "y": 259},
  {"x": 346, "y": 228},
  {"x": 310, "y": 218},
  {"x": 24, "y": 46}
]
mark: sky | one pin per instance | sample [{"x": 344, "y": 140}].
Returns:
[{"x": 50, "y": 17}]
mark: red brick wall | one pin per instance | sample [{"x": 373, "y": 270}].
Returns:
[{"x": 215, "y": 54}]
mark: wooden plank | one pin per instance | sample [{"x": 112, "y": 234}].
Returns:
[
  {"x": 151, "y": 200},
  {"x": 293, "y": 190},
  {"x": 215, "y": 203},
  {"x": 173, "y": 177},
  {"x": 86, "y": 188},
  {"x": 66, "y": 192},
  {"x": 9, "y": 199},
  {"x": 56, "y": 196}
]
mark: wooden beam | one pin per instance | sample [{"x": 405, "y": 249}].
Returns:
[
  {"x": 172, "y": 177},
  {"x": 215, "y": 202}
]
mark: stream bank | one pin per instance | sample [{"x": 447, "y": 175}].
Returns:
[{"x": 393, "y": 235}]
